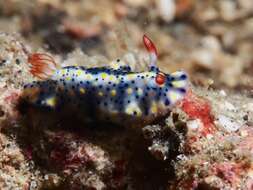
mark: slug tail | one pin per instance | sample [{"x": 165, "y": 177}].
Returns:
[{"x": 42, "y": 65}]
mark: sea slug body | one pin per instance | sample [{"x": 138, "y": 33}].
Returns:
[{"x": 119, "y": 95}]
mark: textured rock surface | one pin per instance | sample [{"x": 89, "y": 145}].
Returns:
[{"x": 204, "y": 143}]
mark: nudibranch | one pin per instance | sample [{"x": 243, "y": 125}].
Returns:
[{"x": 116, "y": 95}]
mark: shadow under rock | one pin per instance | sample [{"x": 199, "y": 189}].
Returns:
[{"x": 56, "y": 146}]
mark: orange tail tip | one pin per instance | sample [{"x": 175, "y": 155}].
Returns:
[{"x": 42, "y": 65}]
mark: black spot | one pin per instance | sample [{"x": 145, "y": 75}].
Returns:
[
  {"x": 152, "y": 68},
  {"x": 96, "y": 79},
  {"x": 182, "y": 90},
  {"x": 136, "y": 88},
  {"x": 142, "y": 77},
  {"x": 126, "y": 84},
  {"x": 183, "y": 76},
  {"x": 100, "y": 86},
  {"x": 128, "y": 101},
  {"x": 109, "y": 82},
  {"x": 2, "y": 62},
  {"x": 136, "y": 96},
  {"x": 72, "y": 79},
  {"x": 108, "y": 89},
  {"x": 132, "y": 81},
  {"x": 118, "y": 60},
  {"x": 167, "y": 102},
  {"x": 17, "y": 61},
  {"x": 105, "y": 104},
  {"x": 170, "y": 85},
  {"x": 148, "y": 88},
  {"x": 135, "y": 112}
]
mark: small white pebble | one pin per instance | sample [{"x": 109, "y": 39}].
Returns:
[
  {"x": 167, "y": 9},
  {"x": 223, "y": 93},
  {"x": 194, "y": 124},
  {"x": 244, "y": 133},
  {"x": 228, "y": 124},
  {"x": 248, "y": 107},
  {"x": 209, "y": 136},
  {"x": 228, "y": 106}
]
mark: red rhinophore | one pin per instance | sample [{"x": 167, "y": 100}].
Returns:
[
  {"x": 149, "y": 45},
  {"x": 160, "y": 79}
]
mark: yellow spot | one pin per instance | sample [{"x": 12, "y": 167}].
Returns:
[
  {"x": 100, "y": 93},
  {"x": 82, "y": 90},
  {"x": 129, "y": 90},
  {"x": 89, "y": 76},
  {"x": 179, "y": 84},
  {"x": 140, "y": 91},
  {"x": 130, "y": 76},
  {"x": 68, "y": 78},
  {"x": 113, "y": 92},
  {"x": 103, "y": 75},
  {"x": 112, "y": 78},
  {"x": 114, "y": 66},
  {"x": 51, "y": 101},
  {"x": 174, "y": 96},
  {"x": 63, "y": 71},
  {"x": 79, "y": 72},
  {"x": 154, "y": 108}
]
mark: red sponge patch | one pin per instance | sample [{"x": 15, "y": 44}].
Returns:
[{"x": 199, "y": 108}]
